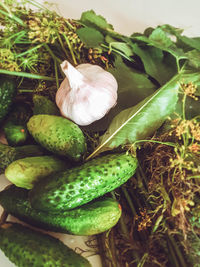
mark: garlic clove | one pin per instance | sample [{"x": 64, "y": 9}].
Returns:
[{"x": 87, "y": 93}]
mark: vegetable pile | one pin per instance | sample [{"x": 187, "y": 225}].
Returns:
[{"x": 128, "y": 174}]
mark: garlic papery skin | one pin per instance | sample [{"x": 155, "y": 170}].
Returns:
[{"x": 87, "y": 93}]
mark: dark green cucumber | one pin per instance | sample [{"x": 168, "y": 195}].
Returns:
[
  {"x": 58, "y": 135},
  {"x": 90, "y": 219},
  {"x": 15, "y": 128},
  {"x": 79, "y": 185},
  {"x": 26, "y": 247},
  {"x": 43, "y": 105},
  {"x": 27, "y": 171},
  {"x": 8, "y": 154},
  {"x": 15, "y": 134},
  {"x": 7, "y": 94}
]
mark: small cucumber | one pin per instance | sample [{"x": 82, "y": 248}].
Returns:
[
  {"x": 8, "y": 154},
  {"x": 90, "y": 219},
  {"x": 7, "y": 94},
  {"x": 15, "y": 128},
  {"x": 79, "y": 185},
  {"x": 43, "y": 105},
  {"x": 27, "y": 171},
  {"x": 58, "y": 135},
  {"x": 15, "y": 134},
  {"x": 27, "y": 247}
]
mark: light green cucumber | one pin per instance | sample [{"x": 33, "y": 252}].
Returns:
[
  {"x": 58, "y": 135},
  {"x": 92, "y": 218},
  {"x": 26, "y": 247},
  {"x": 76, "y": 186},
  {"x": 27, "y": 171},
  {"x": 8, "y": 154}
]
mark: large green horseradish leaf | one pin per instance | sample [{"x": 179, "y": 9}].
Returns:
[{"x": 140, "y": 121}]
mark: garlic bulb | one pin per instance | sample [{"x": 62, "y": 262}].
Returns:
[{"x": 87, "y": 93}]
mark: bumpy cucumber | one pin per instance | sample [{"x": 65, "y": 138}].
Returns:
[
  {"x": 79, "y": 185},
  {"x": 8, "y": 154},
  {"x": 90, "y": 219},
  {"x": 58, "y": 135},
  {"x": 27, "y": 171},
  {"x": 43, "y": 105},
  {"x": 27, "y": 247},
  {"x": 7, "y": 94}
]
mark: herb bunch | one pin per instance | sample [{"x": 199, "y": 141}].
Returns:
[{"x": 155, "y": 69}]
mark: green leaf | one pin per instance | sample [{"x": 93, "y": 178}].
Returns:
[
  {"x": 155, "y": 63},
  {"x": 158, "y": 38},
  {"x": 90, "y": 19},
  {"x": 90, "y": 36},
  {"x": 121, "y": 46},
  {"x": 133, "y": 86},
  {"x": 141, "y": 121},
  {"x": 190, "y": 42},
  {"x": 194, "y": 58}
]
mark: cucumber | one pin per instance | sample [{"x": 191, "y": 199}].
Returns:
[
  {"x": 7, "y": 94},
  {"x": 15, "y": 128},
  {"x": 90, "y": 219},
  {"x": 8, "y": 154},
  {"x": 58, "y": 135},
  {"x": 79, "y": 185},
  {"x": 27, "y": 171},
  {"x": 15, "y": 134},
  {"x": 27, "y": 247},
  {"x": 43, "y": 105}
]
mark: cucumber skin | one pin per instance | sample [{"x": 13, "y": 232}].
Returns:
[
  {"x": 58, "y": 135},
  {"x": 7, "y": 94},
  {"x": 27, "y": 171},
  {"x": 27, "y": 247},
  {"x": 90, "y": 219},
  {"x": 43, "y": 105},
  {"x": 8, "y": 154},
  {"x": 72, "y": 188}
]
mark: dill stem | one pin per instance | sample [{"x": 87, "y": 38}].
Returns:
[
  {"x": 112, "y": 248},
  {"x": 11, "y": 16},
  {"x": 30, "y": 50},
  {"x": 178, "y": 252},
  {"x": 55, "y": 58},
  {"x": 27, "y": 75},
  {"x": 171, "y": 251},
  {"x": 101, "y": 248},
  {"x": 70, "y": 49},
  {"x": 128, "y": 198},
  {"x": 125, "y": 233},
  {"x": 62, "y": 45},
  {"x": 56, "y": 74}
]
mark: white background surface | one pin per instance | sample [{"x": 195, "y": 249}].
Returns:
[{"x": 127, "y": 16}]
